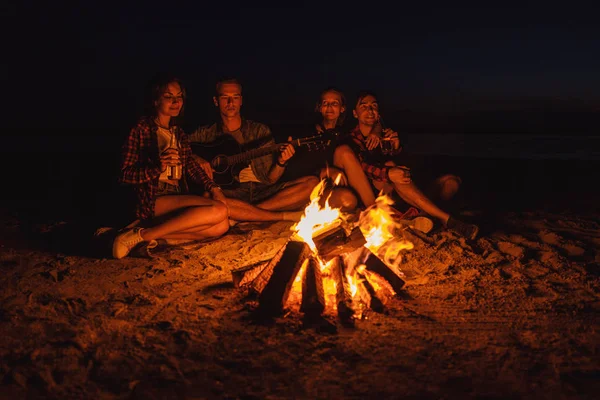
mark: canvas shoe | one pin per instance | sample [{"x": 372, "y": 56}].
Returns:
[
  {"x": 469, "y": 231},
  {"x": 421, "y": 224},
  {"x": 126, "y": 241}
]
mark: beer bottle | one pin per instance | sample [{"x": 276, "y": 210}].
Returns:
[{"x": 174, "y": 171}]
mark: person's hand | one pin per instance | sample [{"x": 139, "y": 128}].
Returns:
[
  {"x": 319, "y": 128},
  {"x": 286, "y": 151},
  {"x": 217, "y": 195},
  {"x": 169, "y": 158},
  {"x": 392, "y": 136},
  {"x": 399, "y": 175},
  {"x": 205, "y": 165},
  {"x": 372, "y": 141}
]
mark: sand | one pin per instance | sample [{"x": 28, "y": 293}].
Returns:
[{"x": 513, "y": 314}]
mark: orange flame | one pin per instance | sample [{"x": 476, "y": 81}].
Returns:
[
  {"x": 379, "y": 228},
  {"x": 316, "y": 218}
]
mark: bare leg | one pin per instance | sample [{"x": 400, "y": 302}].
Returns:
[
  {"x": 345, "y": 158},
  {"x": 413, "y": 196},
  {"x": 194, "y": 217},
  {"x": 293, "y": 197},
  {"x": 241, "y": 211}
]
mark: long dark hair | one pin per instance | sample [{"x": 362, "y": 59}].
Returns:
[
  {"x": 342, "y": 117},
  {"x": 155, "y": 89}
]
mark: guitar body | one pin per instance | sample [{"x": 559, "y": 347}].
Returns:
[{"x": 217, "y": 153}]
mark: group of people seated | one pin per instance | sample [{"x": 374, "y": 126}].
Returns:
[{"x": 173, "y": 174}]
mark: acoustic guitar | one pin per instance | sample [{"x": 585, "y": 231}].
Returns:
[{"x": 227, "y": 158}]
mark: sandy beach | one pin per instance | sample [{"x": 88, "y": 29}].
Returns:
[{"x": 513, "y": 314}]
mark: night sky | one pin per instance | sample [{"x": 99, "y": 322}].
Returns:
[{"x": 84, "y": 66}]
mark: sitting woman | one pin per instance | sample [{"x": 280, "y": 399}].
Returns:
[
  {"x": 336, "y": 161},
  {"x": 156, "y": 162}
]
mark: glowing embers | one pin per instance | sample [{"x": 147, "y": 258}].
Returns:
[{"x": 332, "y": 265}]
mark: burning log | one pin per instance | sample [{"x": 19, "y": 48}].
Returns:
[
  {"x": 383, "y": 289},
  {"x": 261, "y": 280},
  {"x": 313, "y": 295},
  {"x": 343, "y": 295},
  {"x": 246, "y": 274},
  {"x": 273, "y": 297},
  {"x": 374, "y": 264},
  {"x": 368, "y": 294},
  {"x": 335, "y": 242}
]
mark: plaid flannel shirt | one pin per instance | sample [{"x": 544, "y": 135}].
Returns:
[
  {"x": 378, "y": 171},
  {"x": 140, "y": 165},
  {"x": 251, "y": 131}
]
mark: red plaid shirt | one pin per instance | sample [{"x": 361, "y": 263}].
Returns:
[
  {"x": 376, "y": 171},
  {"x": 140, "y": 165}
]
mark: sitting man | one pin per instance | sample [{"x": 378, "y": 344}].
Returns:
[
  {"x": 385, "y": 174},
  {"x": 258, "y": 181}
]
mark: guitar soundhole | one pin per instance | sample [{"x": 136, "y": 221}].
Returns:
[{"x": 219, "y": 164}]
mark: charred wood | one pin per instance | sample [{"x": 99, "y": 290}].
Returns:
[
  {"x": 374, "y": 264},
  {"x": 246, "y": 274},
  {"x": 335, "y": 242},
  {"x": 313, "y": 296},
  {"x": 368, "y": 294},
  {"x": 261, "y": 280},
  {"x": 273, "y": 297},
  {"x": 343, "y": 295}
]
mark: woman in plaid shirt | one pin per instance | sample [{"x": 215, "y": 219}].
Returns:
[{"x": 163, "y": 204}]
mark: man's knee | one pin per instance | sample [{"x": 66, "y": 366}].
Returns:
[
  {"x": 446, "y": 186},
  {"x": 344, "y": 199}
]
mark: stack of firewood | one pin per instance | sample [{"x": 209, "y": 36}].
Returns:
[{"x": 348, "y": 263}]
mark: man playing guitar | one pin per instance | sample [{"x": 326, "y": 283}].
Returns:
[{"x": 259, "y": 182}]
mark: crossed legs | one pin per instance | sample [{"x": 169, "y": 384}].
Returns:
[
  {"x": 295, "y": 195},
  {"x": 187, "y": 217}
]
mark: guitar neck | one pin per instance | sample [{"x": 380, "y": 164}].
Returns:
[
  {"x": 262, "y": 151},
  {"x": 252, "y": 154}
]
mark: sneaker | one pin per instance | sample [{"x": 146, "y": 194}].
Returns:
[
  {"x": 422, "y": 224},
  {"x": 469, "y": 231},
  {"x": 126, "y": 241}
]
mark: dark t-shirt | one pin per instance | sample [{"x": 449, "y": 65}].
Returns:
[{"x": 309, "y": 159}]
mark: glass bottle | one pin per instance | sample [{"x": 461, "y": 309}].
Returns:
[{"x": 174, "y": 171}]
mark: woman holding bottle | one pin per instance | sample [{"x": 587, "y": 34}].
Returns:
[{"x": 157, "y": 164}]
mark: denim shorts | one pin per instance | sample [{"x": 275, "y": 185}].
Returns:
[
  {"x": 254, "y": 192},
  {"x": 165, "y": 188}
]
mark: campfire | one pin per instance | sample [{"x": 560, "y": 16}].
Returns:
[{"x": 333, "y": 263}]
